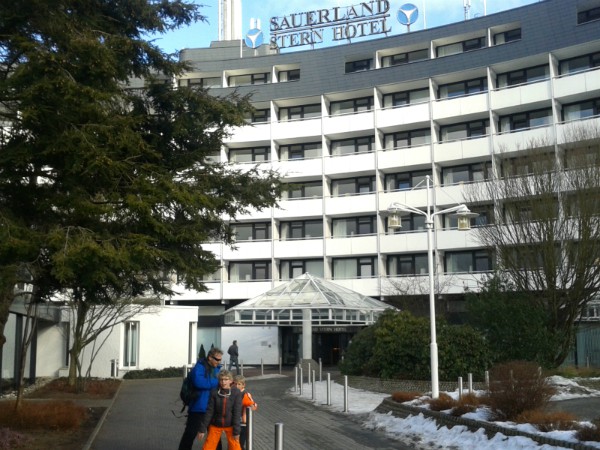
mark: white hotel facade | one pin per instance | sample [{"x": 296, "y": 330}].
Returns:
[{"x": 356, "y": 127}]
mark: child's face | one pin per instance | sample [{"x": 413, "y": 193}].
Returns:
[
  {"x": 225, "y": 382},
  {"x": 240, "y": 385}
]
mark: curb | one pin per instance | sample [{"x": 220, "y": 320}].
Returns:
[{"x": 92, "y": 437}]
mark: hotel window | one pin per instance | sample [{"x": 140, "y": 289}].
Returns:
[
  {"x": 405, "y": 58},
  {"x": 581, "y": 110},
  {"x": 252, "y": 231},
  {"x": 468, "y": 130},
  {"x": 254, "y": 154},
  {"x": 409, "y": 222},
  {"x": 355, "y": 145},
  {"x": 468, "y": 261},
  {"x": 353, "y": 186},
  {"x": 579, "y": 64},
  {"x": 406, "y": 180},
  {"x": 526, "y": 120},
  {"x": 485, "y": 217},
  {"x": 523, "y": 76},
  {"x": 249, "y": 271},
  {"x": 248, "y": 79},
  {"x": 300, "y": 151},
  {"x": 398, "y": 99},
  {"x": 353, "y": 226},
  {"x": 588, "y": 15},
  {"x": 209, "y": 82},
  {"x": 293, "y": 268},
  {"x": 361, "y": 267},
  {"x": 405, "y": 139},
  {"x": 301, "y": 229},
  {"x": 211, "y": 277},
  {"x": 300, "y": 112},
  {"x": 462, "y": 88},
  {"x": 466, "y": 173},
  {"x": 507, "y": 36},
  {"x": 354, "y": 105},
  {"x": 540, "y": 163},
  {"x": 415, "y": 264},
  {"x": 359, "y": 66},
  {"x": 131, "y": 344},
  {"x": 309, "y": 189},
  {"x": 460, "y": 47},
  {"x": 259, "y": 116},
  {"x": 289, "y": 75}
]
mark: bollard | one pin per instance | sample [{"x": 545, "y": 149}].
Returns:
[
  {"x": 314, "y": 386},
  {"x": 320, "y": 370},
  {"x": 487, "y": 379},
  {"x": 280, "y": 365},
  {"x": 301, "y": 380},
  {"x": 345, "y": 393},
  {"x": 460, "y": 387},
  {"x": 470, "y": 383},
  {"x": 328, "y": 389},
  {"x": 241, "y": 368},
  {"x": 296, "y": 379},
  {"x": 185, "y": 371},
  {"x": 279, "y": 436},
  {"x": 262, "y": 367},
  {"x": 249, "y": 428},
  {"x": 308, "y": 373}
]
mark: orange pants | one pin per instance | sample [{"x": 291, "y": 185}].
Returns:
[{"x": 214, "y": 436}]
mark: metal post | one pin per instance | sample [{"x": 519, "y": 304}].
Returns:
[
  {"x": 308, "y": 373},
  {"x": 280, "y": 365},
  {"x": 320, "y": 370},
  {"x": 279, "y": 436},
  {"x": 487, "y": 379},
  {"x": 249, "y": 428},
  {"x": 296, "y": 379},
  {"x": 301, "y": 380},
  {"x": 314, "y": 386},
  {"x": 262, "y": 367},
  {"x": 241, "y": 368},
  {"x": 328, "y": 389},
  {"x": 460, "y": 387},
  {"x": 435, "y": 389},
  {"x": 470, "y": 383},
  {"x": 346, "y": 393}
]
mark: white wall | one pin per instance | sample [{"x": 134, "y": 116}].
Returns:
[
  {"x": 51, "y": 349},
  {"x": 8, "y": 350},
  {"x": 255, "y": 343}
]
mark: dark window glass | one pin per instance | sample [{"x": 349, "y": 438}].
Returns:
[{"x": 359, "y": 66}]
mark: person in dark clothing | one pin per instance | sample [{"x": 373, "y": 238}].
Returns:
[
  {"x": 223, "y": 414},
  {"x": 205, "y": 374},
  {"x": 233, "y": 353}
]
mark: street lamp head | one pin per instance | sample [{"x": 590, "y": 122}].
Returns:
[
  {"x": 464, "y": 216},
  {"x": 394, "y": 221}
]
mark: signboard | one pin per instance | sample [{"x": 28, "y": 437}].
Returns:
[{"x": 341, "y": 22}]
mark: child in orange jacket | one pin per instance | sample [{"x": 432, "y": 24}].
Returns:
[{"x": 247, "y": 401}]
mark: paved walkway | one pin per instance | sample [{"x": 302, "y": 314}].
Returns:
[{"x": 141, "y": 417}]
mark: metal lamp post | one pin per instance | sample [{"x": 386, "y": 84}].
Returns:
[{"x": 464, "y": 216}]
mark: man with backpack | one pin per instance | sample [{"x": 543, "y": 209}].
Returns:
[{"x": 204, "y": 376}]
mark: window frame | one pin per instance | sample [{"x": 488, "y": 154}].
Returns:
[
  {"x": 131, "y": 343},
  {"x": 358, "y": 182}
]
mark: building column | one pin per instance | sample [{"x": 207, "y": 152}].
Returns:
[{"x": 306, "y": 334}]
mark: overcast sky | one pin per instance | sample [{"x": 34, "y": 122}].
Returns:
[{"x": 436, "y": 12}]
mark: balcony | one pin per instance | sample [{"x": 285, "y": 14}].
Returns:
[
  {"x": 299, "y": 208},
  {"x": 525, "y": 94},
  {"x": 245, "y": 289},
  {"x": 349, "y": 204},
  {"x": 351, "y": 245},
  {"x": 474, "y": 148},
  {"x": 305, "y": 128},
  {"x": 299, "y": 167},
  {"x": 298, "y": 248},
  {"x": 587, "y": 83},
  {"x": 415, "y": 197},
  {"x": 259, "y": 132},
  {"x": 248, "y": 250},
  {"x": 455, "y": 239},
  {"x": 366, "y": 286},
  {"x": 404, "y": 242},
  {"x": 405, "y": 157},
  {"x": 348, "y": 123},
  {"x": 355, "y": 163},
  {"x": 520, "y": 139},
  {"x": 460, "y": 106},
  {"x": 391, "y": 118}
]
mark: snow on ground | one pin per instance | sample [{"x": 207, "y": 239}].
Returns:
[{"x": 424, "y": 432}]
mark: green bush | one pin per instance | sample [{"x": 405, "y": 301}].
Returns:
[
  {"x": 517, "y": 386},
  {"x": 167, "y": 372},
  {"x": 397, "y": 346}
]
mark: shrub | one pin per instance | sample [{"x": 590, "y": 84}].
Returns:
[
  {"x": 167, "y": 372},
  {"x": 548, "y": 421},
  {"x": 516, "y": 387},
  {"x": 358, "y": 356},
  {"x": 442, "y": 403},
  {"x": 402, "y": 396},
  {"x": 589, "y": 432}
]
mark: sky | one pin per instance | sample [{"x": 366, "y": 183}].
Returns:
[
  {"x": 432, "y": 13},
  {"x": 421, "y": 430}
]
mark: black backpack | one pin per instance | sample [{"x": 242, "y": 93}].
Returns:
[{"x": 188, "y": 392}]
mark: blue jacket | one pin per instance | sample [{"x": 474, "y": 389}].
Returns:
[{"x": 205, "y": 380}]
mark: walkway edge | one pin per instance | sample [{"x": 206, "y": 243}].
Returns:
[{"x": 92, "y": 437}]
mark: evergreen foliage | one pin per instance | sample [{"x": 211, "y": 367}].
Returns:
[{"x": 397, "y": 347}]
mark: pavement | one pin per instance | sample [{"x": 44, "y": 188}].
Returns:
[{"x": 145, "y": 414}]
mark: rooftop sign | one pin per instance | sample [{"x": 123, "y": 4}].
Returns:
[{"x": 343, "y": 22}]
